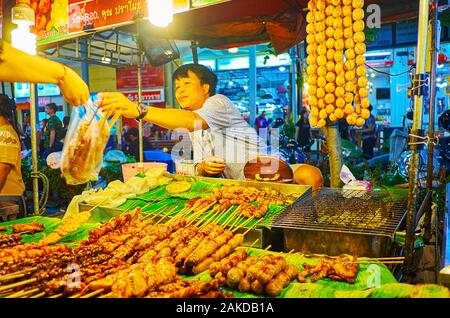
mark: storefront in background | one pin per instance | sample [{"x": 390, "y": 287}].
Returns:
[{"x": 273, "y": 82}]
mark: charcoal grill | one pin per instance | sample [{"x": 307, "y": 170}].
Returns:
[{"x": 336, "y": 221}]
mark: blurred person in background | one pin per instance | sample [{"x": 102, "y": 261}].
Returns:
[
  {"x": 303, "y": 134},
  {"x": 369, "y": 137},
  {"x": 132, "y": 143},
  {"x": 11, "y": 183},
  {"x": 41, "y": 136},
  {"x": 53, "y": 132},
  {"x": 26, "y": 130}
]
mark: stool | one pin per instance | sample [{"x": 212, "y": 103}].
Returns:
[
  {"x": 13, "y": 207},
  {"x": 8, "y": 211}
]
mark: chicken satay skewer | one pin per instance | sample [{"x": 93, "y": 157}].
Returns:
[
  {"x": 208, "y": 223},
  {"x": 237, "y": 220},
  {"x": 243, "y": 224},
  {"x": 205, "y": 220},
  {"x": 151, "y": 215},
  {"x": 253, "y": 244},
  {"x": 23, "y": 293},
  {"x": 167, "y": 215},
  {"x": 38, "y": 295},
  {"x": 93, "y": 294},
  {"x": 194, "y": 216},
  {"x": 21, "y": 283},
  {"x": 231, "y": 217},
  {"x": 220, "y": 216},
  {"x": 236, "y": 215},
  {"x": 254, "y": 225},
  {"x": 179, "y": 215}
]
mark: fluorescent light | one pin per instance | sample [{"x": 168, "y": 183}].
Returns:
[
  {"x": 21, "y": 37},
  {"x": 370, "y": 54},
  {"x": 160, "y": 12}
]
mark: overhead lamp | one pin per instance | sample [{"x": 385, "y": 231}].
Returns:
[
  {"x": 21, "y": 37},
  {"x": 374, "y": 54},
  {"x": 233, "y": 50},
  {"x": 160, "y": 12},
  {"x": 282, "y": 69}
]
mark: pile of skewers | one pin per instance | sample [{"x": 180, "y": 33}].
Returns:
[
  {"x": 130, "y": 256},
  {"x": 266, "y": 275},
  {"x": 252, "y": 202},
  {"x": 340, "y": 268}
]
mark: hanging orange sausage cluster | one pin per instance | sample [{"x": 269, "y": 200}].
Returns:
[{"x": 337, "y": 81}]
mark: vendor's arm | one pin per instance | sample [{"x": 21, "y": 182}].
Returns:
[
  {"x": 5, "y": 168},
  {"x": 167, "y": 118},
  {"x": 18, "y": 66},
  {"x": 52, "y": 137}
]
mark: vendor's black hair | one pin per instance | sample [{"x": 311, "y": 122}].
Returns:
[
  {"x": 410, "y": 115},
  {"x": 52, "y": 106},
  {"x": 8, "y": 111},
  {"x": 204, "y": 73}
]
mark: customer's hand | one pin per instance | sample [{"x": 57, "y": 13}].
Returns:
[
  {"x": 117, "y": 102},
  {"x": 73, "y": 88},
  {"x": 213, "y": 166}
]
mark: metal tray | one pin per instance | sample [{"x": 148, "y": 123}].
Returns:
[{"x": 336, "y": 221}]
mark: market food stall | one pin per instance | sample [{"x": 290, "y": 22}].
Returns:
[
  {"x": 162, "y": 235},
  {"x": 186, "y": 238}
]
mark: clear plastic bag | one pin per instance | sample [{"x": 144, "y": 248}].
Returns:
[{"x": 86, "y": 138}]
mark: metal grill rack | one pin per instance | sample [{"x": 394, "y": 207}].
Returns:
[{"x": 344, "y": 211}]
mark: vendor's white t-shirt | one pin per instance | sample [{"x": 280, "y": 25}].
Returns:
[{"x": 228, "y": 137}]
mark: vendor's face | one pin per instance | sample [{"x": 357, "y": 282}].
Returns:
[{"x": 190, "y": 92}]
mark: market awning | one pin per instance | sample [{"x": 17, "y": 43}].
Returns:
[{"x": 245, "y": 22}]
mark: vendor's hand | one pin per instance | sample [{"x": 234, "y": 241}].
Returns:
[
  {"x": 111, "y": 103},
  {"x": 213, "y": 165},
  {"x": 73, "y": 88}
]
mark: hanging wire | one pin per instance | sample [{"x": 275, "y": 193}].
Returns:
[
  {"x": 45, "y": 190},
  {"x": 389, "y": 74}
]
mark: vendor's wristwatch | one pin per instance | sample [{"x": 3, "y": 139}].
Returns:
[{"x": 143, "y": 110}]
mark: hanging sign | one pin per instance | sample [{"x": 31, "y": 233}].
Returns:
[
  {"x": 126, "y": 77},
  {"x": 85, "y": 15}
]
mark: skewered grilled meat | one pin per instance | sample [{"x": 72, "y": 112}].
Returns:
[
  {"x": 191, "y": 202},
  {"x": 136, "y": 280},
  {"x": 3, "y": 228},
  {"x": 227, "y": 263},
  {"x": 30, "y": 228},
  {"x": 281, "y": 281},
  {"x": 236, "y": 274},
  {"x": 189, "y": 289},
  {"x": 207, "y": 247},
  {"x": 10, "y": 240},
  {"x": 340, "y": 268}
]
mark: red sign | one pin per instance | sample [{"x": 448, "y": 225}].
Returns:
[
  {"x": 126, "y": 77},
  {"x": 95, "y": 14},
  {"x": 150, "y": 96}
]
